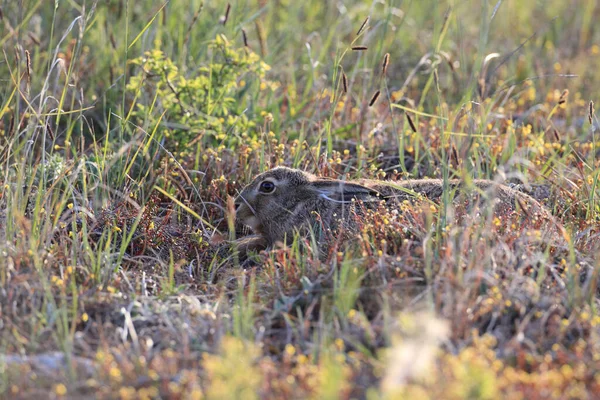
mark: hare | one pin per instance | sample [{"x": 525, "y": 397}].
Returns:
[{"x": 283, "y": 200}]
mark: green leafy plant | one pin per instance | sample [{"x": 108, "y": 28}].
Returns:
[{"x": 211, "y": 102}]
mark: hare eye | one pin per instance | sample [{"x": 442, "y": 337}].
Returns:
[{"x": 267, "y": 187}]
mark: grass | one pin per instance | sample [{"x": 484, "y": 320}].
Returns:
[{"x": 127, "y": 127}]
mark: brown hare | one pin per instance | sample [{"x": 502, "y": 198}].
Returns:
[{"x": 281, "y": 201}]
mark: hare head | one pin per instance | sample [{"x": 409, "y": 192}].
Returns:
[{"x": 283, "y": 200}]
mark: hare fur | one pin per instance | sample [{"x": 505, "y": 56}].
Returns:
[{"x": 281, "y": 201}]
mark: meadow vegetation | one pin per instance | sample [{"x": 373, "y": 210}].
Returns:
[{"x": 127, "y": 127}]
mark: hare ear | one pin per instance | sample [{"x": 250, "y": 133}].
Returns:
[{"x": 344, "y": 192}]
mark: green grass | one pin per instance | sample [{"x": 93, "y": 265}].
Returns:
[{"x": 126, "y": 127}]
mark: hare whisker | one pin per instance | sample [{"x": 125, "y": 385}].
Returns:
[
  {"x": 248, "y": 204},
  {"x": 291, "y": 212}
]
